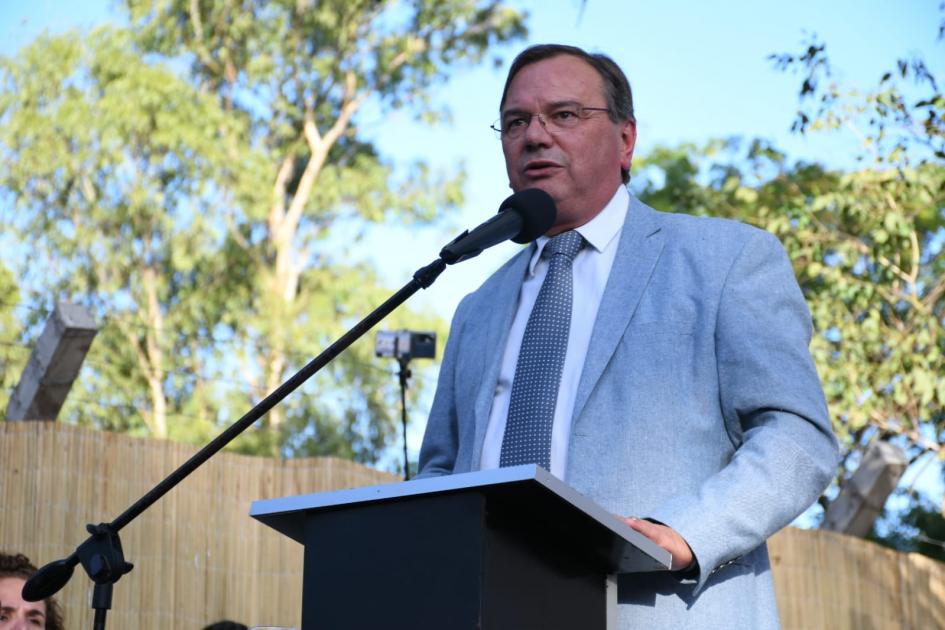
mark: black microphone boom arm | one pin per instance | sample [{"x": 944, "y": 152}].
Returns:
[{"x": 101, "y": 554}]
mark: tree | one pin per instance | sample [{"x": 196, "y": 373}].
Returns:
[
  {"x": 866, "y": 244},
  {"x": 920, "y": 528},
  {"x": 13, "y": 356},
  {"x": 872, "y": 249},
  {"x": 199, "y": 208},
  {"x": 105, "y": 167}
]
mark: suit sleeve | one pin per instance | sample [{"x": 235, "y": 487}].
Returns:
[
  {"x": 441, "y": 438},
  {"x": 774, "y": 411}
]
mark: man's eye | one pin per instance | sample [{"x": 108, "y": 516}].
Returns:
[
  {"x": 564, "y": 114},
  {"x": 512, "y": 123}
]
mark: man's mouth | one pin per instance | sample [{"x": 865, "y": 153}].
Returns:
[{"x": 540, "y": 168}]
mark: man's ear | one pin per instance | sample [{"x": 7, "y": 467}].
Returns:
[{"x": 628, "y": 137}]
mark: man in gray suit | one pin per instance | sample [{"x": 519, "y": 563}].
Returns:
[{"x": 680, "y": 388}]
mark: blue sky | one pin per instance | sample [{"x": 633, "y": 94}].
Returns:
[{"x": 699, "y": 70}]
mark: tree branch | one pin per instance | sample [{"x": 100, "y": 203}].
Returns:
[
  {"x": 914, "y": 436},
  {"x": 319, "y": 146},
  {"x": 201, "y": 49},
  {"x": 277, "y": 209}
]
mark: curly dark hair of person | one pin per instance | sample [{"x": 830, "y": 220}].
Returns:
[{"x": 19, "y": 566}]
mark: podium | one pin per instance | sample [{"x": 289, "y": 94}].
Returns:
[{"x": 510, "y": 548}]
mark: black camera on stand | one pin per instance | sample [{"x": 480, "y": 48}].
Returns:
[{"x": 404, "y": 345}]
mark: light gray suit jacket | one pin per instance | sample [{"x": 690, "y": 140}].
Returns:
[{"x": 698, "y": 406}]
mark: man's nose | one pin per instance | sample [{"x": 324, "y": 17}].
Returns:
[{"x": 537, "y": 132}]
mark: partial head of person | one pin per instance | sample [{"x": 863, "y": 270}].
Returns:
[
  {"x": 567, "y": 127},
  {"x": 15, "y": 612}
]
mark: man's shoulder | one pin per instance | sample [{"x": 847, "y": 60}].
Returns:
[
  {"x": 693, "y": 231},
  {"x": 686, "y": 224}
]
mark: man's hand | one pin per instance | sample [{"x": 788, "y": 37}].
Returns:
[{"x": 667, "y": 538}]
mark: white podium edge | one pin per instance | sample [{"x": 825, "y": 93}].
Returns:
[{"x": 278, "y": 513}]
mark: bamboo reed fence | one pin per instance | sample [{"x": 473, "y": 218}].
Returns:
[
  {"x": 200, "y": 558},
  {"x": 829, "y": 581}
]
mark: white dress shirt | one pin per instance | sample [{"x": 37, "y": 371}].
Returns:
[{"x": 591, "y": 270}]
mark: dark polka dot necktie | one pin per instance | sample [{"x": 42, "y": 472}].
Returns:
[{"x": 527, "y": 438}]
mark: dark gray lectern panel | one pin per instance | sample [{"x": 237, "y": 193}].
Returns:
[
  {"x": 533, "y": 582},
  {"x": 409, "y": 564},
  {"x": 442, "y": 562},
  {"x": 508, "y": 549}
]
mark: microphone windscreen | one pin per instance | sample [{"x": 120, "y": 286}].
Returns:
[
  {"x": 537, "y": 209},
  {"x": 48, "y": 580}
]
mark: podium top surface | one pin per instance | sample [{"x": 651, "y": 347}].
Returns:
[{"x": 634, "y": 552}]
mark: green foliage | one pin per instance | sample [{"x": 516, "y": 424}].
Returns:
[
  {"x": 870, "y": 253},
  {"x": 920, "y": 529},
  {"x": 186, "y": 177},
  {"x": 867, "y": 245},
  {"x": 13, "y": 357},
  {"x": 109, "y": 173},
  {"x": 869, "y": 259}
]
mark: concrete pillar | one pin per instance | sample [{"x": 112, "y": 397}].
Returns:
[
  {"x": 54, "y": 364},
  {"x": 864, "y": 494}
]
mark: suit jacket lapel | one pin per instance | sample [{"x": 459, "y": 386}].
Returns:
[
  {"x": 640, "y": 245},
  {"x": 497, "y": 322}
]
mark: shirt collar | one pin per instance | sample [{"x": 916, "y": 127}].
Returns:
[{"x": 599, "y": 232}]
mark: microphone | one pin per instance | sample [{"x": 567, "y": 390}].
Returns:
[
  {"x": 48, "y": 580},
  {"x": 523, "y": 217}
]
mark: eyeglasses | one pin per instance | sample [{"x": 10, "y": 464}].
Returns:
[{"x": 512, "y": 124}]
